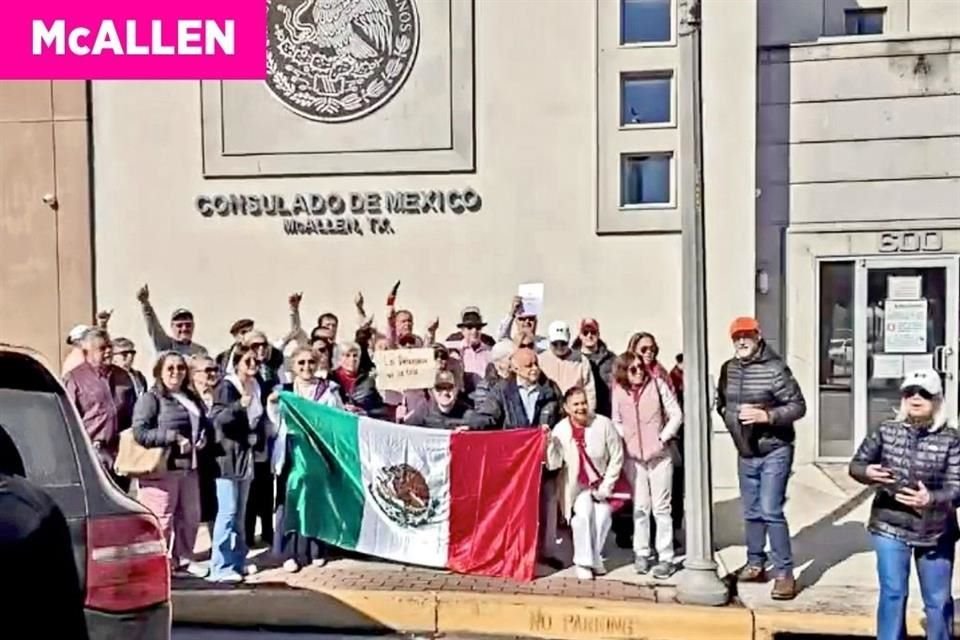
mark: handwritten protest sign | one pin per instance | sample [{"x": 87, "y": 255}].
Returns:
[{"x": 402, "y": 369}]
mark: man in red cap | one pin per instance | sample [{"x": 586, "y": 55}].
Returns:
[
  {"x": 759, "y": 400},
  {"x": 589, "y": 345}
]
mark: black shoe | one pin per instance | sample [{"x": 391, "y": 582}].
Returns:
[
  {"x": 554, "y": 563},
  {"x": 624, "y": 541}
]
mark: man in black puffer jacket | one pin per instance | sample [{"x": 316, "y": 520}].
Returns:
[{"x": 759, "y": 400}]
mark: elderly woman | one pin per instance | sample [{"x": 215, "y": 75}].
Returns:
[
  {"x": 588, "y": 450},
  {"x": 170, "y": 415},
  {"x": 358, "y": 388},
  {"x": 298, "y": 551},
  {"x": 647, "y": 415},
  {"x": 238, "y": 417},
  {"x": 204, "y": 377},
  {"x": 497, "y": 370},
  {"x": 913, "y": 461}
]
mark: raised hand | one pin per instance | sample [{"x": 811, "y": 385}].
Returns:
[
  {"x": 143, "y": 295},
  {"x": 294, "y": 300}
]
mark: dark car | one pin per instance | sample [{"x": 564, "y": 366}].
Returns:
[{"x": 118, "y": 546}]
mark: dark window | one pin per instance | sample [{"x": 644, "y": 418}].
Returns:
[
  {"x": 835, "y": 383},
  {"x": 643, "y": 21},
  {"x": 35, "y": 423},
  {"x": 864, "y": 22},
  {"x": 645, "y": 98},
  {"x": 645, "y": 179}
]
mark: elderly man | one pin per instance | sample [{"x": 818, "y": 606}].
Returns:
[
  {"x": 565, "y": 367},
  {"x": 182, "y": 325},
  {"x": 759, "y": 400},
  {"x": 524, "y": 325},
  {"x": 474, "y": 351},
  {"x": 122, "y": 355},
  {"x": 103, "y": 395},
  {"x": 238, "y": 331},
  {"x": 446, "y": 408}
]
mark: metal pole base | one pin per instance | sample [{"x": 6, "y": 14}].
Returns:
[{"x": 699, "y": 584}]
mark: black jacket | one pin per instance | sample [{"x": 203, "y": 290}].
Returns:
[
  {"x": 601, "y": 361},
  {"x": 429, "y": 415},
  {"x": 364, "y": 394},
  {"x": 913, "y": 454},
  {"x": 766, "y": 381},
  {"x": 233, "y": 431},
  {"x": 159, "y": 420},
  {"x": 502, "y": 407}
]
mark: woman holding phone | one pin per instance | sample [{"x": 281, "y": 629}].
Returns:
[{"x": 914, "y": 461}]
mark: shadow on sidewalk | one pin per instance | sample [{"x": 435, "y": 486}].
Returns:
[{"x": 825, "y": 544}]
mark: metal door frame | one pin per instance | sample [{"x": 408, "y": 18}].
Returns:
[{"x": 948, "y": 360}]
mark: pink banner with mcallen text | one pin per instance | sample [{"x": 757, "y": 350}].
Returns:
[{"x": 132, "y": 39}]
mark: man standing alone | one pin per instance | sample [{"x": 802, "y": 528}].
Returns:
[{"x": 759, "y": 400}]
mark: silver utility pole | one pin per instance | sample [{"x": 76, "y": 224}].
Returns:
[{"x": 699, "y": 583}]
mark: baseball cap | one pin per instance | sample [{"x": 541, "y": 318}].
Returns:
[
  {"x": 181, "y": 314},
  {"x": 77, "y": 333},
  {"x": 121, "y": 345},
  {"x": 744, "y": 324},
  {"x": 559, "y": 331},
  {"x": 926, "y": 379},
  {"x": 471, "y": 317},
  {"x": 445, "y": 379},
  {"x": 589, "y": 324},
  {"x": 240, "y": 325}
]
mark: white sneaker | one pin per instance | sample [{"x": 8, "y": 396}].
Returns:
[
  {"x": 250, "y": 570},
  {"x": 583, "y": 573},
  {"x": 197, "y": 570},
  {"x": 290, "y": 566},
  {"x": 599, "y": 569},
  {"x": 319, "y": 562}
]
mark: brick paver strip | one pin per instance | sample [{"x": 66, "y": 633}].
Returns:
[{"x": 330, "y": 578}]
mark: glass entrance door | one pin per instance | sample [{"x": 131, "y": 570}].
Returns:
[{"x": 906, "y": 317}]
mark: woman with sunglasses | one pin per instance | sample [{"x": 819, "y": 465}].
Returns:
[
  {"x": 238, "y": 417},
  {"x": 204, "y": 377},
  {"x": 913, "y": 460},
  {"x": 644, "y": 346},
  {"x": 297, "y": 550},
  {"x": 646, "y": 414},
  {"x": 171, "y": 415},
  {"x": 589, "y": 452}
]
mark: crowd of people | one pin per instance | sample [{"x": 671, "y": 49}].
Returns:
[{"x": 614, "y": 454}]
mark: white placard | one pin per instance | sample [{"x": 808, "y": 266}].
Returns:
[
  {"x": 917, "y": 362},
  {"x": 887, "y": 366},
  {"x": 404, "y": 369},
  {"x": 532, "y": 295},
  {"x": 904, "y": 287},
  {"x": 905, "y": 326}
]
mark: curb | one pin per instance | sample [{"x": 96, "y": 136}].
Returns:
[
  {"x": 494, "y": 614},
  {"x": 460, "y": 612}
]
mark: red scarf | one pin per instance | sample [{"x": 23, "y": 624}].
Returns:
[
  {"x": 580, "y": 439},
  {"x": 347, "y": 380}
]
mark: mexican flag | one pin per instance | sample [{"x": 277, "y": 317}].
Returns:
[{"x": 467, "y": 501}]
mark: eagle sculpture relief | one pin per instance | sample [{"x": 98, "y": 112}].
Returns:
[{"x": 362, "y": 29}]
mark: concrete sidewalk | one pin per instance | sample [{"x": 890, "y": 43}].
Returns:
[{"x": 834, "y": 565}]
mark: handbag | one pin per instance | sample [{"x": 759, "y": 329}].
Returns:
[
  {"x": 622, "y": 490},
  {"x": 134, "y": 460}
]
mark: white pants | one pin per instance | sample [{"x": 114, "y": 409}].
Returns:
[
  {"x": 590, "y": 523},
  {"x": 652, "y": 489},
  {"x": 548, "y": 518}
]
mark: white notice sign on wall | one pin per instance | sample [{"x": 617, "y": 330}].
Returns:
[
  {"x": 905, "y": 326},
  {"x": 904, "y": 287}
]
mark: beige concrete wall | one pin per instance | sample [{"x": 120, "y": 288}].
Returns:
[{"x": 45, "y": 260}]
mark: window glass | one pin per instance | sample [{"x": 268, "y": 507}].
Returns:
[
  {"x": 645, "y": 98},
  {"x": 835, "y": 384},
  {"x": 645, "y": 21},
  {"x": 35, "y": 423},
  {"x": 864, "y": 22},
  {"x": 645, "y": 179}
]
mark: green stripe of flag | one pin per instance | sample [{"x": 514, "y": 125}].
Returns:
[{"x": 324, "y": 488}]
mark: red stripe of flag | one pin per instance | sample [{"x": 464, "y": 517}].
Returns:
[{"x": 495, "y": 502}]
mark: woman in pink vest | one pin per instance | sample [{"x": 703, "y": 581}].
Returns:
[{"x": 647, "y": 415}]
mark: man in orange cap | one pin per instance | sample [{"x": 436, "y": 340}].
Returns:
[{"x": 759, "y": 400}]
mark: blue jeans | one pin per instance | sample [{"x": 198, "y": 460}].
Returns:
[
  {"x": 935, "y": 571},
  {"x": 763, "y": 490},
  {"x": 229, "y": 550}
]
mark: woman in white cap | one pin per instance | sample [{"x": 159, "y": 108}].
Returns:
[{"x": 913, "y": 460}]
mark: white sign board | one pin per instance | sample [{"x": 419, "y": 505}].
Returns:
[
  {"x": 916, "y": 363},
  {"x": 532, "y": 295},
  {"x": 904, "y": 287},
  {"x": 905, "y": 326},
  {"x": 887, "y": 367},
  {"x": 403, "y": 369}
]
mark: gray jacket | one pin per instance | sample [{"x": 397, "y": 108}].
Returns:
[{"x": 765, "y": 381}]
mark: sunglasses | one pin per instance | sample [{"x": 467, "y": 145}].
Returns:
[
  {"x": 304, "y": 363},
  {"x": 258, "y": 345},
  {"x": 183, "y": 325},
  {"x": 909, "y": 392},
  {"x": 647, "y": 350},
  {"x": 211, "y": 370},
  {"x": 635, "y": 370},
  {"x": 124, "y": 353},
  {"x": 250, "y": 362},
  {"x": 443, "y": 389},
  {"x": 178, "y": 368},
  {"x": 588, "y": 332}
]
